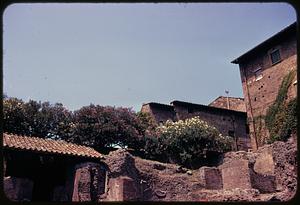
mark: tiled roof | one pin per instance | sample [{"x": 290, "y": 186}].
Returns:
[{"x": 48, "y": 146}]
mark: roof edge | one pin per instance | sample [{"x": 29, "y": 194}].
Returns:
[{"x": 249, "y": 52}]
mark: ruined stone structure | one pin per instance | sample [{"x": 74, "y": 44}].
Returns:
[
  {"x": 269, "y": 174},
  {"x": 228, "y": 122},
  {"x": 262, "y": 70},
  {"x": 230, "y": 103},
  {"x": 47, "y": 170}
]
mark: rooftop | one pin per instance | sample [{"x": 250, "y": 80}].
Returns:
[
  {"x": 233, "y": 98},
  {"x": 36, "y": 144},
  {"x": 159, "y": 105},
  {"x": 206, "y": 107},
  {"x": 291, "y": 29}
]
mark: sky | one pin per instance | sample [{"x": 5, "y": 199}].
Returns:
[{"x": 125, "y": 55}]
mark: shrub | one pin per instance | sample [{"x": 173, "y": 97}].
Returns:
[{"x": 187, "y": 142}]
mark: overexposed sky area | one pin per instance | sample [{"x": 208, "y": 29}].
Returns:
[{"x": 130, "y": 54}]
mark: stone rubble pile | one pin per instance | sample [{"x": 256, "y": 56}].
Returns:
[{"x": 269, "y": 174}]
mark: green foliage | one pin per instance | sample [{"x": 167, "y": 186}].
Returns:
[
  {"x": 34, "y": 118},
  {"x": 285, "y": 122},
  {"x": 280, "y": 118},
  {"x": 183, "y": 142},
  {"x": 186, "y": 142},
  {"x": 105, "y": 127},
  {"x": 147, "y": 123},
  {"x": 96, "y": 126}
]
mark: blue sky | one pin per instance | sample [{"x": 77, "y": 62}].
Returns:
[{"x": 130, "y": 54}]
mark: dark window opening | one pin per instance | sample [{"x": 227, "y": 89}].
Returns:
[
  {"x": 231, "y": 133},
  {"x": 275, "y": 56},
  {"x": 255, "y": 99},
  {"x": 247, "y": 129},
  {"x": 190, "y": 110}
]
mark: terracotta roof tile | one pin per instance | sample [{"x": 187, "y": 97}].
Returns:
[{"x": 48, "y": 146}]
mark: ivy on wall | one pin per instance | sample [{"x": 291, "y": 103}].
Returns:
[{"x": 280, "y": 119}]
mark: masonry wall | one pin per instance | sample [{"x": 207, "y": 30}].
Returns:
[
  {"x": 160, "y": 114},
  {"x": 237, "y": 104},
  {"x": 260, "y": 94},
  {"x": 224, "y": 122}
]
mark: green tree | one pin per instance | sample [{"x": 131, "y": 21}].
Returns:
[
  {"x": 35, "y": 118},
  {"x": 14, "y": 116},
  {"x": 105, "y": 127}
]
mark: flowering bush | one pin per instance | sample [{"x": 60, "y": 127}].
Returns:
[{"x": 186, "y": 142}]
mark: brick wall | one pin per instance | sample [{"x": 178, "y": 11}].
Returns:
[
  {"x": 89, "y": 182},
  {"x": 161, "y": 113},
  {"x": 260, "y": 93},
  {"x": 223, "y": 121},
  {"x": 237, "y": 104}
]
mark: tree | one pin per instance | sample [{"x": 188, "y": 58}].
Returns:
[
  {"x": 14, "y": 116},
  {"x": 35, "y": 118},
  {"x": 147, "y": 123},
  {"x": 105, "y": 127}
]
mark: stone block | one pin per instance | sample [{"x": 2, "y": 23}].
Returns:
[
  {"x": 264, "y": 183},
  {"x": 123, "y": 189},
  {"x": 235, "y": 174},
  {"x": 18, "y": 189},
  {"x": 89, "y": 182},
  {"x": 264, "y": 163},
  {"x": 211, "y": 177}
]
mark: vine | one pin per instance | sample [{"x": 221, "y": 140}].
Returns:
[{"x": 281, "y": 115}]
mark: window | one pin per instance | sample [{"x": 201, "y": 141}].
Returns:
[
  {"x": 190, "y": 110},
  {"x": 231, "y": 133},
  {"x": 247, "y": 129},
  {"x": 258, "y": 74},
  {"x": 275, "y": 56}
]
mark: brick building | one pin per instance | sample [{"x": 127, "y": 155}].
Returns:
[
  {"x": 262, "y": 70},
  {"x": 159, "y": 112},
  {"x": 228, "y": 122},
  {"x": 231, "y": 103}
]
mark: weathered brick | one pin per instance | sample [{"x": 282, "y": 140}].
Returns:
[
  {"x": 123, "y": 189},
  {"x": 89, "y": 182},
  {"x": 210, "y": 177},
  {"x": 235, "y": 174}
]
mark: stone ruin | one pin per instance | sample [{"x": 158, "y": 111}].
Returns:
[{"x": 269, "y": 174}]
